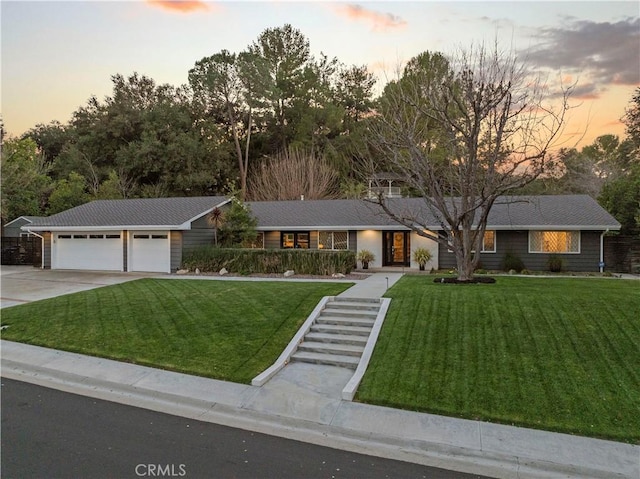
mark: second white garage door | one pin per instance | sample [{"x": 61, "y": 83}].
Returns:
[{"x": 149, "y": 251}]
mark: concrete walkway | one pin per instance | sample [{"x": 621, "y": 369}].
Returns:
[{"x": 303, "y": 402}]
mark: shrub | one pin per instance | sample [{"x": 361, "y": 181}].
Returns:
[
  {"x": 249, "y": 261},
  {"x": 512, "y": 262},
  {"x": 555, "y": 264},
  {"x": 422, "y": 256},
  {"x": 365, "y": 257}
]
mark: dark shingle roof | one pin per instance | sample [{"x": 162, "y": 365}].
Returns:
[
  {"x": 578, "y": 211},
  {"x": 518, "y": 212},
  {"x": 29, "y": 219},
  {"x": 525, "y": 212},
  {"x": 164, "y": 212}
]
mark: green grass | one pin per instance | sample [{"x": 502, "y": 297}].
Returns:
[
  {"x": 227, "y": 330},
  {"x": 556, "y": 354}
]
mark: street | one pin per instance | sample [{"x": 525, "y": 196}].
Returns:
[{"x": 48, "y": 433}]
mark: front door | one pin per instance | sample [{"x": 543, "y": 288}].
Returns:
[{"x": 396, "y": 248}]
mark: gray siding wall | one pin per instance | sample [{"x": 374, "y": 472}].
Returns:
[
  {"x": 14, "y": 230},
  {"x": 272, "y": 239},
  {"x": 200, "y": 234},
  {"x": 517, "y": 242},
  {"x": 46, "y": 257},
  {"x": 125, "y": 250},
  {"x": 175, "y": 237}
]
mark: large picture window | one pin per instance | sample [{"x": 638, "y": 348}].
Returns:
[
  {"x": 295, "y": 239},
  {"x": 334, "y": 240},
  {"x": 554, "y": 242}
]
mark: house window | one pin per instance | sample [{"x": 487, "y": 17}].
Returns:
[
  {"x": 334, "y": 240},
  {"x": 297, "y": 239},
  {"x": 489, "y": 242},
  {"x": 554, "y": 242}
]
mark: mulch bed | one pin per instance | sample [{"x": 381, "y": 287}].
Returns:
[{"x": 475, "y": 280}]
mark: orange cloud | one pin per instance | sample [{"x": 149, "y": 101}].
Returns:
[
  {"x": 379, "y": 21},
  {"x": 180, "y": 6}
]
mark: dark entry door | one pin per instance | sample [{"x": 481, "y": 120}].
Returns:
[{"x": 396, "y": 248}]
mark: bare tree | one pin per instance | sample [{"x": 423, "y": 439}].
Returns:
[
  {"x": 293, "y": 174},
  {"x": 463, "y": 132}
]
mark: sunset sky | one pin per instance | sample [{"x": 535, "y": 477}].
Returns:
[{"x": 55, "y": 55}]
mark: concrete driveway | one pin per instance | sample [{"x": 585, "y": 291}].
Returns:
[{"x": 23, "y": 284}]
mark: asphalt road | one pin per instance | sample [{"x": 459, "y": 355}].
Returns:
[{"x": 52, "y": 434}]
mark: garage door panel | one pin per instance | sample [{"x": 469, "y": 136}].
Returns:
[
  {"x": 88, "y": 251},
  {"x": 150, "y": 251}
]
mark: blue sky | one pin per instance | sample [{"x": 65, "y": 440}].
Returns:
[{"x": 55, "y": 55}]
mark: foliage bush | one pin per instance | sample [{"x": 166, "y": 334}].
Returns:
[
  {"x": 249, "y": 261},
  {"x": 512, "y": 262},
  {"x": 422, "y": 256},
  {"x": 555, "y": 264},
  {"x": 365, "y": 257}
]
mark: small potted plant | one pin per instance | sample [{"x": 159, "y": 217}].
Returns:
[
  {"x": 365, "y": 257},
  {"x": 422, "y": 256}
]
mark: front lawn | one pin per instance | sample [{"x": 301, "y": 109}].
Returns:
[
  {"x": 557, "y": 354},
  {"x": 229, "y": 330}
]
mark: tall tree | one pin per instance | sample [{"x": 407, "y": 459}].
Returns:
[
  {"x": 285, "y": 52},
  {"x": 462, "y": 132},
  {"x": 631, "y": 120},
  {"x": 225, "y": 86},
  {"x": 25, "y": 184},
  {"x": 146, "y": 133},
  {"x": 68, "y": 193},
  {"x": 621, "y": 194}
]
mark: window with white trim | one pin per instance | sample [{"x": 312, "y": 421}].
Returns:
[
  {"x": 489, "y": 242},
  {"x": 333, "y": 240},
  {"x": 554, "y": 241}
]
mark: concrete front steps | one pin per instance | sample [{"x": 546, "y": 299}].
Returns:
[{"x": 339, "y": 334}]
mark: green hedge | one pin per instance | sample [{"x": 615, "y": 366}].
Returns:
[{"x": 248, "y": 261}]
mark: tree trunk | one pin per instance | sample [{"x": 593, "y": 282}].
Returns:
[{"x": 465, "y": 270}]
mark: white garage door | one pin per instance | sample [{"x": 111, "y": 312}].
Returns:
[
  {"x": 150, "y": 251},
  {"x": 98, "y": 251}
]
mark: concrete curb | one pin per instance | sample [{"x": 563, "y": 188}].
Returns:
[{"x": 461, "y": 445}]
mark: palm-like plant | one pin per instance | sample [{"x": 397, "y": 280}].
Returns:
[{"x": 215, "y": 219}]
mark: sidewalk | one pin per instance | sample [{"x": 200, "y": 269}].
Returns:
[{"x": 302, "y": 402}]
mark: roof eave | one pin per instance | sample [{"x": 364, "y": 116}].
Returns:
[
  {"x": 103, "y": 228},
  {"x": 187, "y": 224},
  {"x": 18, "y": 218}
]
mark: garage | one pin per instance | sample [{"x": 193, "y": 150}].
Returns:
[
  {"x": 149, "y": 251},
  {"x": 87, "y": 250}
]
